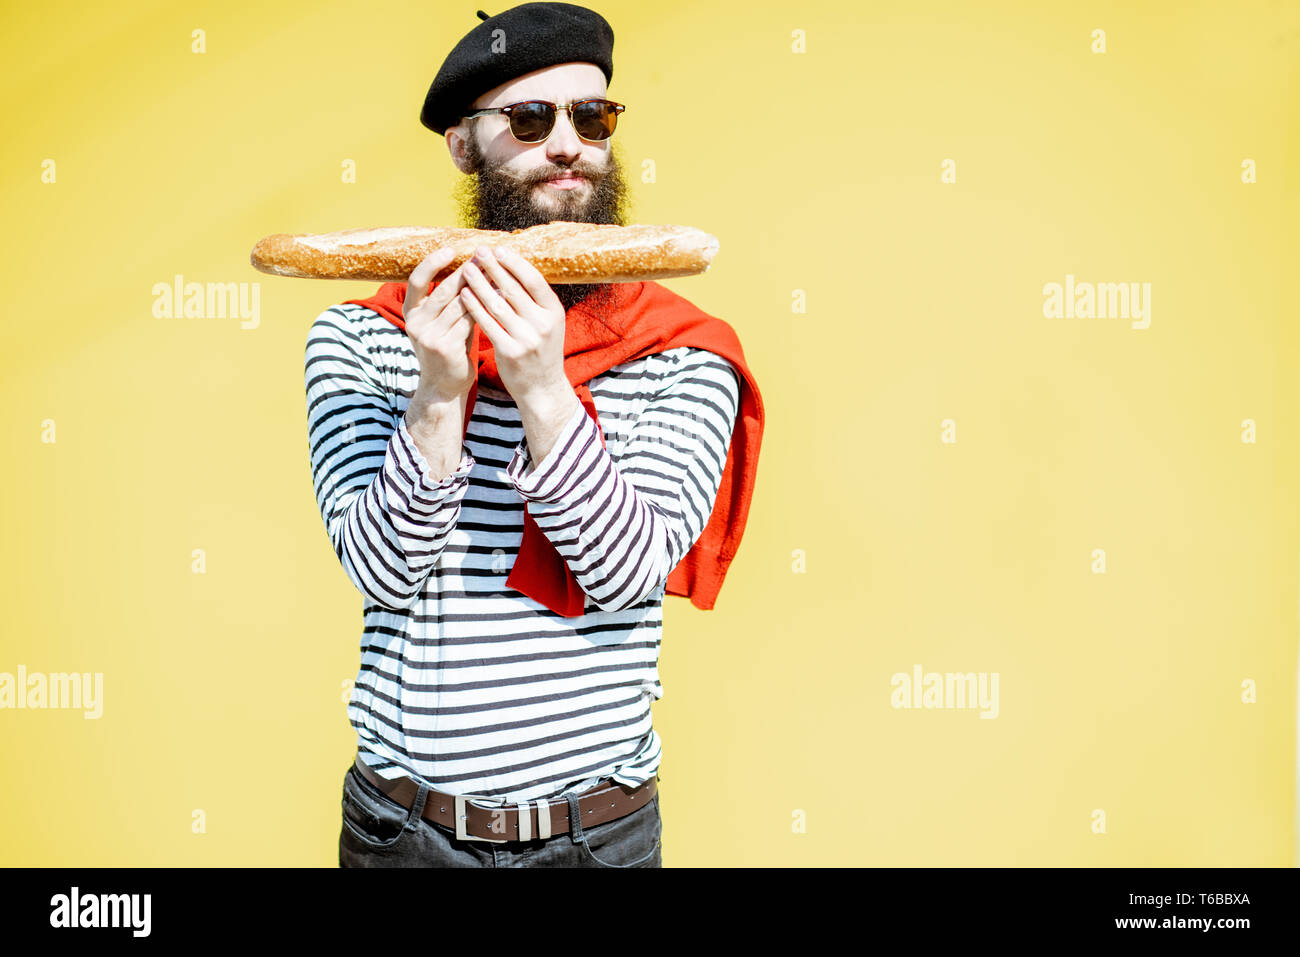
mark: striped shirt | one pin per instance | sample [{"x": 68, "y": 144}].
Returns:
[{"x": 466, "y": 684}]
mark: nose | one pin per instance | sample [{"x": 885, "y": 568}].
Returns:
[{"x": 563, "y": 143}]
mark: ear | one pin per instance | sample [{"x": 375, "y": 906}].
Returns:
[{"x": 456, "y": 146}]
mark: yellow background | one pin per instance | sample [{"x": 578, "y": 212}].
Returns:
[{"x": 818, "y": 171}]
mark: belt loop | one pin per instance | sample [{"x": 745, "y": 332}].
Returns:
[
  {"x": 417, "y": 807},
  {"x": 575, "y": 817}
]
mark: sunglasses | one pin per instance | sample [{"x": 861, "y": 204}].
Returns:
[{"x": 532, "y": 120}]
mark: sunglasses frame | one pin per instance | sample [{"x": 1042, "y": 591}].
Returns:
[{"x": 618, "y": 108}]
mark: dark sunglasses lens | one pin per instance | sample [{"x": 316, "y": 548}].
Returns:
[
  {"x": 595, "y": 120},
  {"x": 531, "y": 122}
]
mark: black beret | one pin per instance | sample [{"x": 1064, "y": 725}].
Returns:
[{"x": 535, "y": 35}]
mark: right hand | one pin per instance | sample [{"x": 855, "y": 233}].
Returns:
[{"x": 440, "y": 329}]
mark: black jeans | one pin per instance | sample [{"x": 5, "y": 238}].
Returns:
[{"x": 379, "y": 832}]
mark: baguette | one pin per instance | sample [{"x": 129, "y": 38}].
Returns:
[{"x": 563, "y": 252}]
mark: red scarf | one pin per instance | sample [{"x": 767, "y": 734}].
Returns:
[{"x": 649, "y": 319}]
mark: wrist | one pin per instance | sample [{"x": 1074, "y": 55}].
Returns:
[
  {"x": 544, "y": 417},
  {"x": 428, "y": 409},
  {"x": 550, "y": 400}
]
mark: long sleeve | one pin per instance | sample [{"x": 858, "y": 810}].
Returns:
[
  {"x": 386, "y": 517},
  {"x": 623, "y": 525}
]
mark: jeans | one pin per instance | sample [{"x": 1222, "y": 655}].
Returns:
[{"x": 379, "y": 832}]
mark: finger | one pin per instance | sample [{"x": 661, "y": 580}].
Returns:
[
  {"x": 488, "y": 297},
  {"x": 428, "y": 326},
  {"x": 483, "y": 319},
  {"x": 447, "y": 317},
  {"x": 423, "y": 274},
  {"x": 461, "y": 330},
  {"x": 433, "y": 304},
  {"x": 505, "y": 281},
  {"x": 528, "y": 276},
  {"x": 422, "y": 310}
]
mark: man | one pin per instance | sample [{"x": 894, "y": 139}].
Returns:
[{"x": 514, "y": 475}]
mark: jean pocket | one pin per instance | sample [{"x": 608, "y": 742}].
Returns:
[
  {"x": 374, "y": 819},
  {"x": 629, "y": 841}
]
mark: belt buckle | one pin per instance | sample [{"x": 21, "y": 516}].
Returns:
[{"x": 460, "y": 801}]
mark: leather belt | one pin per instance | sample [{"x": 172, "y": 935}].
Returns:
[{"x": 542, "y": 818}]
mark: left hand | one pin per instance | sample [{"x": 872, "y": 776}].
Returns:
[{"x": 523, "y": 319}]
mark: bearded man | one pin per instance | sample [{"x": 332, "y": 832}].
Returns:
[{"x": 514, "y": 475}]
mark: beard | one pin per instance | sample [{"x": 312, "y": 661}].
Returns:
[{"x": 494, "y": 198}]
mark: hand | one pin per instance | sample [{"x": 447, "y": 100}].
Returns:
[
  {"x": 440, "y": 329},
  {"x": 523, "y": 318}
]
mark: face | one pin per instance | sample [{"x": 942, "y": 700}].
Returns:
[{"x": 515, "y": 185}]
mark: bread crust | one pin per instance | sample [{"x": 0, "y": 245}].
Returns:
[{"x": 562, "y": 252}]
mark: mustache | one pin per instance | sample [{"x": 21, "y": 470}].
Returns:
[{"x": 581, "y": 168}]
